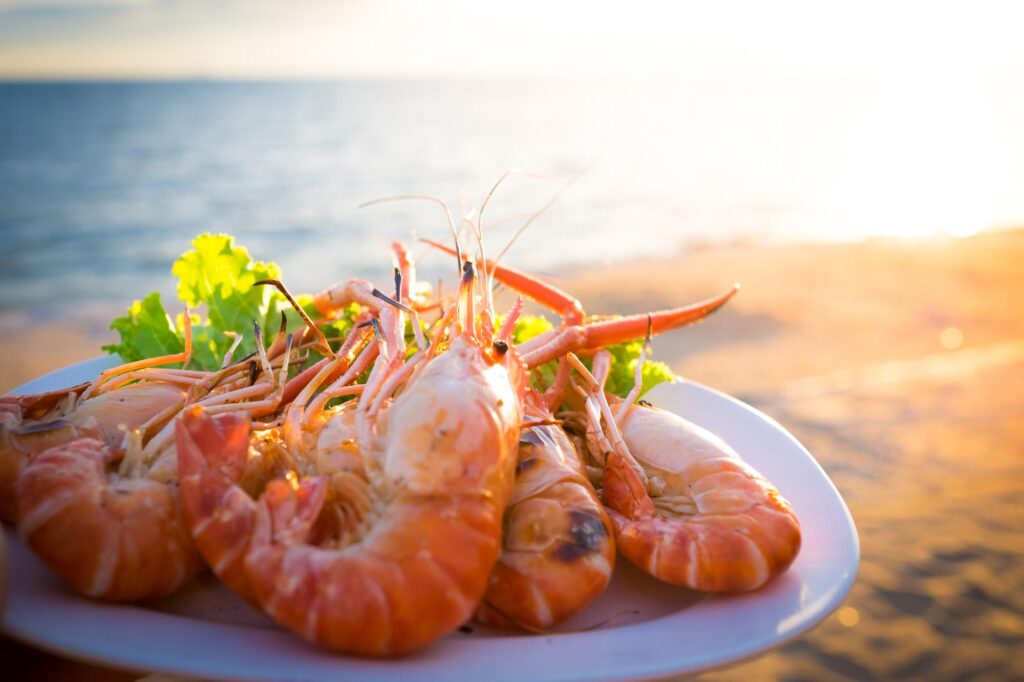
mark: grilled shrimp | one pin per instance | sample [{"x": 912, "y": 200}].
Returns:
[
  {"x": 557, "y": 549},
  {"x": 122, "y": 399},
  {"x": 686, "y": 508},
  {"x": 731, "y": 530},
  {"x": 104, "y": 514},
  {"x": 395, "y": 551},
  {"x": 104, "y": 410},
  {"x": 224, "y": 466},
  {"x": 121, "y": 540}
]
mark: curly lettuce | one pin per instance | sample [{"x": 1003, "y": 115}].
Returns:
[
  {"x": 146, "y": 331},
  {"x": 217, "y": 280}
]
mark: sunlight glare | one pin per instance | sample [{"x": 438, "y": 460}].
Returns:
[
  {"x": 849, "y": 616},
  {"x": 951, "y": 338},
  {"x": 925, "y": 162}
]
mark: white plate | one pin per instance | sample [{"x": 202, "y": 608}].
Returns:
[{"x": 645, "y": 629}]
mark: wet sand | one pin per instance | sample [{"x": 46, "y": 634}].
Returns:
[{"x": 843, "y": 344}]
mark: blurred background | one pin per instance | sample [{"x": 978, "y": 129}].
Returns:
[{"x": 857, "y": 168}]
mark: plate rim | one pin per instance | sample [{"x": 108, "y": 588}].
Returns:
[{"x": 809, "y": 616}]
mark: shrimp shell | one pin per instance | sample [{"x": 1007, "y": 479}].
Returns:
[
  {"x": 712, "y": 522},
  {"x": 122, "y": 540},
  {"x": 446, "y": 454},
  {"x": 557, "y": 551}
]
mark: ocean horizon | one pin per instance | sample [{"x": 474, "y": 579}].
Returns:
[{"x": 104, "y": 183}]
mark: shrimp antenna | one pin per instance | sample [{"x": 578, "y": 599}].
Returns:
[
  {"x": 387, "y": 299},
  {"x": 426, "y": 197},
  {"x": 537, "y": 214},
  {"x": 279, "y": 285},
  {"x": 486, "y": 280}
]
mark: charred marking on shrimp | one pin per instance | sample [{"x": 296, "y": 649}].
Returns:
[{"x": 587, "y": 533}]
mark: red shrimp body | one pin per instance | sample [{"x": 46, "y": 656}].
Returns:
[
  {"x": 558, "y": 550},
  {"x": 707, "y": 520},
  {"x": 110, "y": 537},
  {"x": 414, "y": 563},
  {"x": 446, "y": 449}
]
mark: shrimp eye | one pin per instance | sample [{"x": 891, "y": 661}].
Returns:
[{"x": 500, "y": 347}]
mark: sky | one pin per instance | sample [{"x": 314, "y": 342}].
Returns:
[
  {"x": 526, "y": 38},
  {"x": 936, "y": 144}
]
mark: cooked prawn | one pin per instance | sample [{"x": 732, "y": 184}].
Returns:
[
  {"x": 106, "y": 517},
  {"x": 224, "y": 466},
  {"x": 106, "y": 418},
  {"x": 401, "y": 555},
  {"x": 557, "y": 550},
  {"x": 30, "y": 424},
  {"x": 120, "y": 540},
  {"x": 686, "y": 508}
]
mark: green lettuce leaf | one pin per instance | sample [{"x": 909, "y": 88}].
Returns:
[
  {"x": 218, "y": 278},
  {"x": 624, "y": 359},
  {"x": 146, "y": 331},
  {"x": 221, "y": 275},
  {"x": 528, "y": 327}
]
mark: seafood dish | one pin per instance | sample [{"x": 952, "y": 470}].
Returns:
[{"x": 374, "y": 469}]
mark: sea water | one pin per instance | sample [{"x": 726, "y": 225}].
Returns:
[{"x": 102, "y": 185}]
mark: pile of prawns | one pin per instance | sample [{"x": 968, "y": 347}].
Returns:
[{"x": 441, "y": 488}]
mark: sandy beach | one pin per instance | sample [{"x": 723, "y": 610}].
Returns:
[{"x": 899, "y": 363}]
